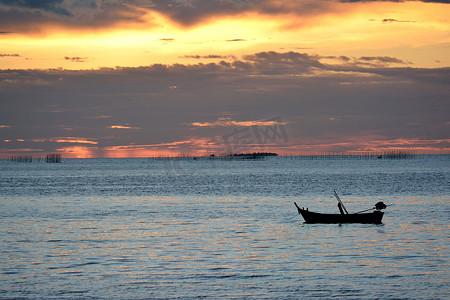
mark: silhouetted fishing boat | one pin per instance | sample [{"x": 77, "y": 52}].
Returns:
[{"x": 374, "y": 217}]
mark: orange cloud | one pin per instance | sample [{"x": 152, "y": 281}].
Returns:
[
  {"x": 192, "y": 146},
  {"x": 75, "y": 140},
  {"x": 78, "y": 152},
  {"x": 226, "y": 122},
  {"x": 20, "y": 150},
  {"x": 137, "y": 153},
  {"x": 123, "y": 127},
  {"x": 97, "y": 117},
  {"x": 163, "y": 149}
]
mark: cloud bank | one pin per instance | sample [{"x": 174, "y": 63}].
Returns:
[{"x": 325, "y": 104}]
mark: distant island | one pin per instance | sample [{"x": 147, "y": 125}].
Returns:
[{"x": 255, "y": 155}]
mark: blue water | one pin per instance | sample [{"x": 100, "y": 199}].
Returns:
[{"x": 222, "y": 229}]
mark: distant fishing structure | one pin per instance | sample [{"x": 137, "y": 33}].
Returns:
[
  {"x": 355, "y": 155},
  {"x": 360, "y": 155},
  {"x": 21, "y": 158},
  {"x": 53, "y": 158},
  {"x": 49, "y": 158}
]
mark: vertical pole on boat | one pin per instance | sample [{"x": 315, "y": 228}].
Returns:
[{"x": 340, "y": 203}]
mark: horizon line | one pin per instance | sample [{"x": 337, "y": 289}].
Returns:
[{"x": 236, "y": 155}]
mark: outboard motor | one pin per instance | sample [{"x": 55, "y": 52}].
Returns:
[{"x": 380, "y": 205}]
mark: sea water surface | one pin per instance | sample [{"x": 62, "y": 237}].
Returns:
[{"x": 223, "y": 229}]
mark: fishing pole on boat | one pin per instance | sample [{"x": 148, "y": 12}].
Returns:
[{"x": 340, "y": 204}]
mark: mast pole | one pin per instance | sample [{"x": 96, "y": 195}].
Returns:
[{"x": 340, "y": 202}]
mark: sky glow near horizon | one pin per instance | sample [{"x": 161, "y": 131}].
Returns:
[{"x": 194, "y": 77}]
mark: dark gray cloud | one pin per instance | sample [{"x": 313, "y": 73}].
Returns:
[
  {"x": 432, "y": 76},
  {"x": 264, "y": 63},
  {"x": 211, "y": 56},
  {"x": 9, "y": 55},
  {"x": 14, "y": 20},
  {"x": 76, "y": 59},
  {"x": 192, "y": 12},
  {"x": 32, "y": 16},
  {"x": 320, "y": 102},
  {"x": 282, "y": 63},
  {"x": 390, "y": 20},
  {"x": 54, "y": 6},
  {"x": 379, "y": 60},
  {"x": 366, "y": 61},
  {"x": 385, "y": 59},
  {"x": 236, "y": 40}
]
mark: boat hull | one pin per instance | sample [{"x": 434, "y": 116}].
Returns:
[{"x": 365, "y": 218}]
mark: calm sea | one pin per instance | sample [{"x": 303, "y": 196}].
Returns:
[{"x": 223, "y": 229}]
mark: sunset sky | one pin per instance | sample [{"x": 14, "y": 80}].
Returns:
[{"x": 93, "y": 78}]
